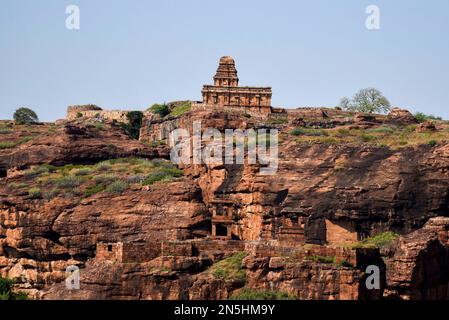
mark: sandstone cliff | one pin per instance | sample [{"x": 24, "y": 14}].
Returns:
[{"x": 342, "y": 178}]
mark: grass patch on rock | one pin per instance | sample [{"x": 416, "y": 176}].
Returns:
[
  {"x": 385, "y": 136},
  {"x": 114, "y": 176},
  {"x": 181, "y": 108},
  {"x": 378, "y": 241},
  {"x": 323, "y": 259},
  {"x": 7, "y": 144},
  {"x": 253, "y": 294},
  {"x": 230, "y": 268}
]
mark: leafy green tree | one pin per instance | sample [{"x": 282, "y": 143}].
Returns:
[
  {"x": 160, "y": 109},
  {"x": 25, "y": 116},
  {"x": 367, "y": 100}
]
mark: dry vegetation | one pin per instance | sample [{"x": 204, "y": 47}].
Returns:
[
  {"x": 112, "y": 176},
  {"x": 383, "y": 136},
  {"x": 12, "y": 135}
]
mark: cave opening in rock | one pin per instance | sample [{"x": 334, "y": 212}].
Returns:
[
  {"x": 221, "y": 231},
  {"x": 3, "y": 172}
]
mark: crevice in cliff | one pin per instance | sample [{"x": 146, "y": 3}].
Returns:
[
  {"x": 3, "y": 172},
  {"x": 52, "y": 236},
  {"x": 11, "y": 252}
]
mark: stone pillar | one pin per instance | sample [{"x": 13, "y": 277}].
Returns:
[{"x": 214, "y": 230}]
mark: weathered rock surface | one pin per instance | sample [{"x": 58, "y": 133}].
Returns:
[
  {"x": 319, "y": 187},
  {"x": 426, "y": 126},
  {"x": 418, "y": 268},
  {"x": 77, "y": 143},
  {"x": 399, "y": 115}
]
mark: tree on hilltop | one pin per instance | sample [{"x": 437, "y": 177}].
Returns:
[
  {"x": 25, "y": 116},
  {"x": 369, "y": 100}
]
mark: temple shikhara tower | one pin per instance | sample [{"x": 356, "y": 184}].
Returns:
[{"x": 226, "y": 91}]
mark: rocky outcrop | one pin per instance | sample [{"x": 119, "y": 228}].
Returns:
[
  {"x": 156, "y": 129},
  {"x": 418, "y": 268},
  {"x": 359, "y": 190},
  {"x": 401, "y": 116},
  {"x": 43, "y": 238},
  {"x": 426, "y": 126},
  {"x": 79, "y": 143}
]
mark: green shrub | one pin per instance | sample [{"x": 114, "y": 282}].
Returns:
[
  {"x": 383, "y": 130},
  {"x": 69, "y": 181},
  {"x": 343, "y": 131},
  {"x": 160, "y": 109},
  {"x": 25, "y": 116},
  {"x": 137, "y": 170},
  {"x": 67, "y": 169},
  {"x": 35, "y": 193},
  {"x": 366, "y": 138},
  {"x": 251, "y": 294},
  {"x": 53, "y": 193},
  {"x": 162, "y": 173},
  {"x": 103, "y": 166},
  {"x": 99, "y": 125},
  {"x": 25, "y": 139},
  {"x": 230, "y": 268},
  {"x": 79, "y": 115},
  {"x": 18, "y": 185},
  {"x": 432, "y": 143},
  {"x": 345, "y": 264},
  {"x": 308, "y": 132},
  {"x": 181, "y": 108},
  {"x": 81, "y": 172},
  {"x": 422, "y": 117},
  {"x": 135, "y": 179},
  {"x": 378, "y": 241},
  {"x": 323, "y": 259},
  {"x": 155, "y": 144},
  {"x": 90, "y": 191},
  {"x": 105, "y": 178},
  {"x": 117, "y": 187},
  {"x": 6, "y": 290},
  {"x": 7, "y": 144},
  {"x": 154, "y": 177},
  {"x": 329, "y": 140}
]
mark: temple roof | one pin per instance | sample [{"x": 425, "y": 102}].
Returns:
[
  {"x": 226, "y": 69},
  {"x": 227, "y": 60}
]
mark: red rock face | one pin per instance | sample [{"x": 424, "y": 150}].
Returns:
[
  {"x": 416, "y": 269},
  {"x": 401, "y": 116},
  {"x": 77, "y": 143},
  {"x": 360, "y": 190}
]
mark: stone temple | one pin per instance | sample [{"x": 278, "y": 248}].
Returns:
[{"x": 226, "y": 91}]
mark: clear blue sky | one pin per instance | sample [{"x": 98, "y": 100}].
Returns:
[{"x": 130, "y": 54}]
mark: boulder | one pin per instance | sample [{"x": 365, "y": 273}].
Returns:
[{"x": 401, "y": 116}]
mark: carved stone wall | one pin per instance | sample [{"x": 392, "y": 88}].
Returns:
[
  {"x": 226, "y": 92},
  {"x": 94, "y": 112}
]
